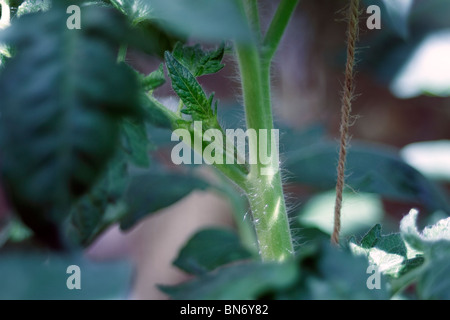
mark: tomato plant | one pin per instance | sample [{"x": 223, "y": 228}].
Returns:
[{"x": 82, "y": 131}]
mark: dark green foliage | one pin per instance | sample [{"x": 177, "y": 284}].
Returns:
[
  {"x": 39, "y": 276},
  {"x": 101, "y": 207},
  {"x": 209, "y": 249},
  {"x": 241, "y": 281},
  {"x": 62, "y": 96}
]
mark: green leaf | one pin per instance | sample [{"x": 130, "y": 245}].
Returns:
[
  {"x": 432, "y": 237},
  {"x": 154, "y": 80},
  {"x": 395, "y": 14},
  {"x": 388, "y": 252},
  {"x": 154, "y": 189},
  {"x": 411, "y": 256},
  {"x": 435, "y": 281},
  {"x": 369, "y": 168},
  {"x": 198, "y": 61},
  {"x": 434, "y": 241},
  {"x": 346, "y": 276},
  {"x": 32, "y": 6},
  {"x": 209, "y": 249},
  {"x": 155, "y": 112},
  {"x": 103, "y": 206},
  {"x": 398, "y": 13},
  {"x": 39, "y": 276},
  {"x": 203, "y": 19},
  {"x": 135, "y": 142},
  {"x": 238, "y": 282},
  {"x": 150, "y": 34},
  {"x": 330, "y": 273},
  {"x": 188, "y": 89},
  {"x": 62, "y": 98}
]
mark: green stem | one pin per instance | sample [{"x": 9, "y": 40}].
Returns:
[
  {"x": 239, "y": 208},
  {"x": 264, "y": 191},
  {"x": 252, "y": 12},
  {"x": 277, "y": 27}
]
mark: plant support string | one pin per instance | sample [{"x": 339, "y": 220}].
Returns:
[{"x": 352, "y": 35}]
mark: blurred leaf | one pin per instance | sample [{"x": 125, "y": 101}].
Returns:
[
  {"x": 62, "y": 96},
  {"x": 434, "y": 241},
  {"x": 203, "y": 19},
  {"x": 398, "y": 13},
  {"x": 431, "y": 15},
  {"x": 330, "y": 273},
  {"x": 198, "y": 61},
  {"x": 427, "y": 70},
  {"x": 432, "y": 158},
  {"x": 34, "y": 276},
  {"x": 238, "y": 282},
  {"x": 395, "y": 14},
  {"x": 32, "y": 6},
  {"x": 435, "y": 236},
  {"x": 150, "y": 33},
  {"x": 136, "y": 10},
  {"x": 103, "y": 206},
  {"x": 209, "y": 249},
  {"x": 346, "y": 276},
  {"x": 369, "y": 168},
  {"x": 135, "y": 142},
  {"x": 359, "y": 212},
  {"x": 154, "y": 189},
  {"x": 435, "y": 281}
]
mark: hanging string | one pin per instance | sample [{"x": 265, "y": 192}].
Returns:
[{"x": 352, "y": 35}]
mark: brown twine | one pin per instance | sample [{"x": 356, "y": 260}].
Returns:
[{"x": 352, "y": 35}]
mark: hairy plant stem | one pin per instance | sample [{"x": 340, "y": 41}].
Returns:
[
  {"x": 234, "y": 172},
  {"x": 264, "y": 190}
]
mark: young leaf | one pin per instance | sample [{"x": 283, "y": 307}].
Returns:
[
  {"x": 188, "y": 89},
  {"x": 388, "y": 252},
  {"x": 435, "y": 236},
  {"x": 209, "y": 249},
  {"x": 31, "y": 6},
  {"x": 198, "y": 61}
]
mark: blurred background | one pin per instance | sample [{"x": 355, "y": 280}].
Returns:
[{"x": 400, "y": 136}]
